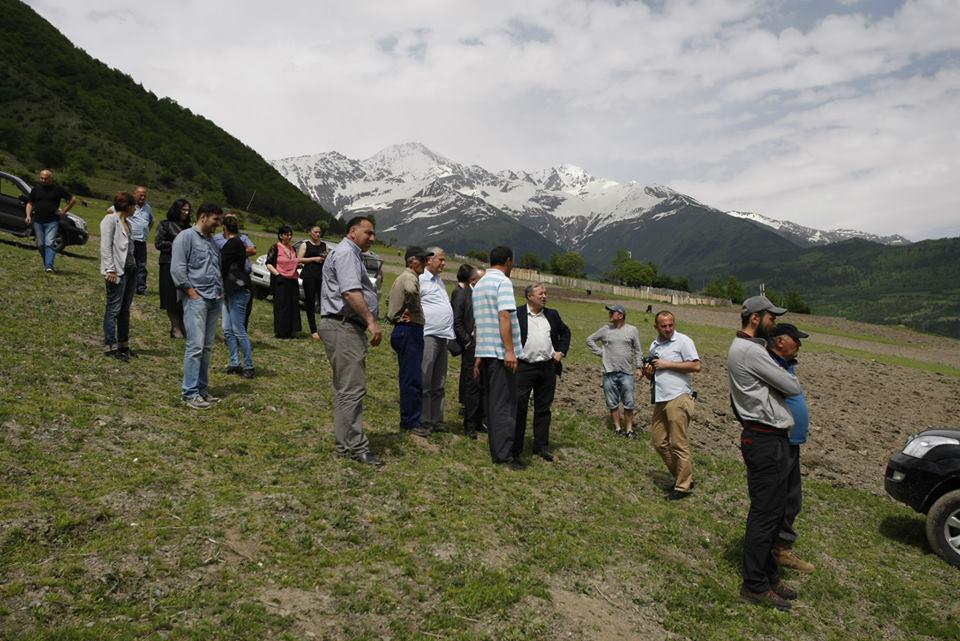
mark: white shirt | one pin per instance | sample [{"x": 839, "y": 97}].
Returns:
[
  {"x": 437, "y": 312},
  {"x": 538, "y": 347},
  {"x": 670, "y": 384}
]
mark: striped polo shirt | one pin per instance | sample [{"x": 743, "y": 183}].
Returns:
[{"x": 494, "y": 294}]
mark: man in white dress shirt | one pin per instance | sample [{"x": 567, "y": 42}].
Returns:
[{"x": 437, "y": 330}]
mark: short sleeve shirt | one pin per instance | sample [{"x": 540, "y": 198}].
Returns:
[
  {"x": 46, "y": 201},
  {"x": 670, "y": 384},
  {"x": 494, "y": 294},
  {"x": 343, "y": 271}
]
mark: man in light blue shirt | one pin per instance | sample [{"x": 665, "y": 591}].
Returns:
[
  {"x": 195, "y": 272},
  {"x": 784, "y": 346},
  {"x": 498, "y": 348},
  {"x": 437, "y": 330},
  {"x": 140, "y": 224},
  {"x": 673, "y": 358},
  {"x": 348, "y": 309}
]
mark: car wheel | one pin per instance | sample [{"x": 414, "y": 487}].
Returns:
[
  {"x": 943, "y": 527},
  {"x": 60, "y": 243}
]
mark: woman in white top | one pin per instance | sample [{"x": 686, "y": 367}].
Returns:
[{"x": 119, "y": 269}]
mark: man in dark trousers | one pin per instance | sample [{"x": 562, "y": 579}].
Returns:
[
  {"x": 465, "y": 329},
  {"x": 758, "y": 391},
  {"x": 546, "y": 340},
  {"x": 44, "y": 213}
]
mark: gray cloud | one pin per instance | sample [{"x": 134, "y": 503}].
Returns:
[{"x": 833, "y": 115}]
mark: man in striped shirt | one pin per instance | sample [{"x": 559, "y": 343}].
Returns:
[{"x": 498, "y": 348}]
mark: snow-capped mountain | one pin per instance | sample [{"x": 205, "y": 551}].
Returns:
[
  {"x": 806, "y": 236},
  {"x": 419, "y": 196}
]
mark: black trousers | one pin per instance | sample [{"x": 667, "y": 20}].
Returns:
[
  {"x": 471, "y": 393},
  {"x": 794, "y": 498},
  {"x": 500, "y": 395},
  {"x": 286, "y": 306},
  {"x": 140, "y": 255},
  {"x": 311, "y": 295},
  {"x": 541, "y": 380},
  {"x": 768, "y": 461}
]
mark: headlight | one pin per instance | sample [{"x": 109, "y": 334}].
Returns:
[
  {"x": 78, "y": 222},
  {"x": 918, "y": 446}
]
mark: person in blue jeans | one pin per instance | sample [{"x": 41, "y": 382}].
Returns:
[
  {"x": 44, "y": 213},
  {"x": 236, "y": 288},
  {"x": 119, "y": 267},
  {"x": 195, "y": 271}
]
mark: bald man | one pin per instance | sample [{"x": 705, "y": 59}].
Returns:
[
  {"x": 140, "y": 224},
  {"x": 43, "y": 212}
]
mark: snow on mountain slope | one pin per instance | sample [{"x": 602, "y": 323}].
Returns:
[{"x": 412, "y": 188}]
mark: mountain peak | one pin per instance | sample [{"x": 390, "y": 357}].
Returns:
[
  {"x": 411, "y": 158},
  {"x": 567, "y": 178}
]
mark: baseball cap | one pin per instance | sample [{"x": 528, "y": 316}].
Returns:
[
  {"x": 756, "y": 304},
  {"x": 419, "y": 252},
  {"x": 616, "y": 308},
  {"x": 786, "y": 329}
]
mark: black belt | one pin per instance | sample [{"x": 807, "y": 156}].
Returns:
[
  {"x": 348, "y": 319},
  {"x": 760, "y": 428}
]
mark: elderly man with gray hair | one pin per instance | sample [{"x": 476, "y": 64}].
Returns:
[{"x": 437, "y": 330}]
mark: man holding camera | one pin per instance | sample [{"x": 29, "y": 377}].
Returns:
[{"x": 672, "y": 359}]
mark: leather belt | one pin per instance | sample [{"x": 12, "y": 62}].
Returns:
[
  {"x": 764, "y": 429},
  {"x": 346, "y": 319}
]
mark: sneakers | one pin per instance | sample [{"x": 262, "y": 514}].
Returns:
[
  {"x": 210, "y": 398},
  {"x": 234, "y": 369},
  {"x": 248, "y": 373},
  {"x": 784, "y": 591},
  {"x": 631, "y": 434},
  {"x": 421, "y": 431},
  {"x": 787, "y": 559},
  {"x": 49, "y": 270},
  {"x": 768, "y": 598},
  {"x": 197, "y": 403}
]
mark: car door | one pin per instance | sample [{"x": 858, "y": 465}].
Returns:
[{"x": 12, "y": 206}]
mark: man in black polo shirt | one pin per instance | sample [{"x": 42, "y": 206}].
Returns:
[{"x": 44, "y": 213}]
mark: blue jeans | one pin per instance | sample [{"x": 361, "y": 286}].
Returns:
[
  {"x": 46, "y": 236},
  {"x": 200, "y": 319},
  {"x": 116, "y": 315},
  {"x": 407, "y": 341},
  {"x": 618, "y": 387},
  {"x": 234, "y": 328}
]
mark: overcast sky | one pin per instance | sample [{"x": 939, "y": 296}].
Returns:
[{"x": 829, "y": 113}]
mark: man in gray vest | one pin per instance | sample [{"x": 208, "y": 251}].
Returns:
[{"x": 348, "y": 309}]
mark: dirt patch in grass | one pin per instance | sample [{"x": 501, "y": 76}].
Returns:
[
  {"x": 598, "y": 617},
  {"x": 860, "y": 412}
]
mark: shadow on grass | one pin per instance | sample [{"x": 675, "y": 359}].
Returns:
[
  {"x": 909, "y": 530},
  {"x": 390, "y": 442}
]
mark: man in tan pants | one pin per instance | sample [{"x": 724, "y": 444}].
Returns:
[{"x": 673, "y": 357}]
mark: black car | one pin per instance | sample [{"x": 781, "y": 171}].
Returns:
[
  {"x": 926, "y": 476},
  {"x": 13, "y": 214}
]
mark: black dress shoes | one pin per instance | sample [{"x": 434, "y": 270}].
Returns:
[
  {"x": 369, "y": 458},
  {"x": 545, "y": 455}
]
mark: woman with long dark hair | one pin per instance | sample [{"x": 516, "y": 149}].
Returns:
[
  {"x": 119, "y": 268},
  {"x": 311, "y": 253},
  {"x": 236, "y": 289},
  {"x": 178, "y": 219},
  {"x": 282, "y": 264}
]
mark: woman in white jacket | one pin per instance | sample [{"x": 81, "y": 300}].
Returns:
[{"x": 119, "y": 268}]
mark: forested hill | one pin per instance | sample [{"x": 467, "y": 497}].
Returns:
[
  {"x": 917, "y": 285},
  {"x": 63, "y": 109}
]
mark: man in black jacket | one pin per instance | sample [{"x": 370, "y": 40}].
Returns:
[
  {"x": 465, "y": 329},
  {"x": 546, "y": 340}
]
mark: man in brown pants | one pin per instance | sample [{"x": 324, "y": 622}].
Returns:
[{"x": 673, "y": 358}]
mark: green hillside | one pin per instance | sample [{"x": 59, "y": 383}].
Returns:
[
  {"x": 916, "y": 285},
  {"x": 98, "y": 128}
]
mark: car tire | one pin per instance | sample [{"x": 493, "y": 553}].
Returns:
[
  {"x": 60, "y": 243},
  {"x": 943, "y": 527}
]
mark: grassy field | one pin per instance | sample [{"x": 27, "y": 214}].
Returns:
[{"x": 124, "y": 515}]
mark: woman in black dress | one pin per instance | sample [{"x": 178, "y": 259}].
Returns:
[
  {"x": 178, "y": 219},
  {"x": 282, "y": 264},
  {"x": 311, "y": 254}
]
